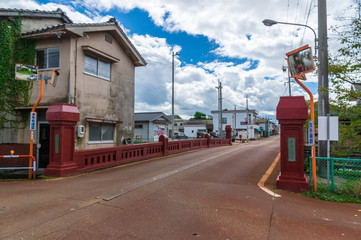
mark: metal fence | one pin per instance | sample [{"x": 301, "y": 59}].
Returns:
[{"x": 336, "y": 172}]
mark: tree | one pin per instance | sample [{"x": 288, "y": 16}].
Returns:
[
  {"x": 200, "y": 115},
  {"x": 13, "y": 93},
  {"x": 344, "y": 70}
]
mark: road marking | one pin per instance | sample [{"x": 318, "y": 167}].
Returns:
[
  {"x": 266, "y": 176},
  {"x": 140, "y": 184}
]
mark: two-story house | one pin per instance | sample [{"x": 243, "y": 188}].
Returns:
[{"x": 96, "y": 62}]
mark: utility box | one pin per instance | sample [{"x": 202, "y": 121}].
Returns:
[{"x": 292, "y": 114}]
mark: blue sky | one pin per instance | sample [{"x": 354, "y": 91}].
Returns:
[{"x": 223, "y": 40}]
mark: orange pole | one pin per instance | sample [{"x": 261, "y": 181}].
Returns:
[
  {"x": 312, "y": 110},
  {"x": 31, "y": 172}
]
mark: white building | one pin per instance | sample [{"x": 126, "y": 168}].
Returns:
[
  {"x": 238, "y": 120},
  {"x": 197, "y": 127},
  {"x": 148, "y": 126}
]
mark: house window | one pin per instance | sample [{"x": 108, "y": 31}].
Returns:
[
  {"x": 138, "y": 125},
  {"x": 47, "y": 58},
  {"x": 224, "y": 120},
  {"x": 97, "y": 67},
  {"x": 101, "y": 132}
]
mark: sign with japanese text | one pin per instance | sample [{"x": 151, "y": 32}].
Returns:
[
  {"x": 311, "y": 130},
  {"x": 32, "y": 121}
]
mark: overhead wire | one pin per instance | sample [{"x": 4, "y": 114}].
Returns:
[
  {"x": 285, "y": 41},
  {"x": 307, "y": 18}
]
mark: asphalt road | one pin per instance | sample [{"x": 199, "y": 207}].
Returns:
[{"x": 203, "y": 194}]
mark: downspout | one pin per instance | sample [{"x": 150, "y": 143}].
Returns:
[
  {"x": 69, "y": 97},
  {"x": 75, "y": 69}
]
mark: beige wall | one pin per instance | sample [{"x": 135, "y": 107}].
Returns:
[
  {"x": 100, "y": 98},
  {"x": 56, "y": 94}
]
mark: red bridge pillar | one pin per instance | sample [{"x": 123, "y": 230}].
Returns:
[
  {"x": 228, "y": 132},
  {"x": 292, "y": 114},
  {"x": 62, "y": 119}
]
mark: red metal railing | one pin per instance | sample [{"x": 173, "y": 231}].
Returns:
[
  {"x": 32, "y": 164},
  {"x": 93, "y": 159},
  {"x": 106, "y": 157}
]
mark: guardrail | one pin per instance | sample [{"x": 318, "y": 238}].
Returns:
[
  {"x": 32, "y": 165},
  {"x": 107, "y": 157},
  {"x": 93, "y": 159}
]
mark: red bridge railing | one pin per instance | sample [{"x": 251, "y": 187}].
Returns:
[{"x": 93, "y": 159}]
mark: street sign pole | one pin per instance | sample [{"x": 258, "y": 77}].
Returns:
[
  {"x": 33, "y": 126},
  {"x": 312, "y": 134}
]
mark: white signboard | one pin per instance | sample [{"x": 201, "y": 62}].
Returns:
[
  {"x": 333, "y": 128},
  {"x": 32, "y": 120},
  {"x": 311, "y": 129}
]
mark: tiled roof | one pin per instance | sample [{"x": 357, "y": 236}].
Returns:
[
  {"x": 73, "y": 28},
  {"x": 66, "y": 25},
  {"x": 7, "y": 12}
]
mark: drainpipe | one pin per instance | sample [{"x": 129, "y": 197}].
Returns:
[{"x": 75, "y": 69}]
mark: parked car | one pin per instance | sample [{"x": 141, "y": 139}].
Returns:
[
  {"x": 33, "y": 77},
  {"x": 201, "y": 134},
  {"x": 213, "y": 135},
  {"x": 180, "y": 135}
]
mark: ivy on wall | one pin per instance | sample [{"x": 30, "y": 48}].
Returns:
[{"x": 13, "y": 50}]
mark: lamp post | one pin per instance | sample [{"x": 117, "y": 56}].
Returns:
[
  {"x": 173, "y": 54},
  {"x": 323, "y": 98},
  {"x": 269, "y": 23}
]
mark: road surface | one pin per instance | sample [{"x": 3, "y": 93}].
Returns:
[{"x": 202, "y": 194}]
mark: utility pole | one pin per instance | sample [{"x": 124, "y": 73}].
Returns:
[
  {"x": 235, "y": 122},
  {"x": 173, "y": 54},
  {"x": 323, "y": 98},
  {"x": 220, "y": 125},
  {"x": 247, "y": 118}
]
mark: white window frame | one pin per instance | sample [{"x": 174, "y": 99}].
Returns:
[
  {"x": 97, "y": 67},
  {"x": 101, "y": 134},
  {"x": 47, "y": 58}
]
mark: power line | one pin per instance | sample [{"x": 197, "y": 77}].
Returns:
[{"x": 308, "y": 16}]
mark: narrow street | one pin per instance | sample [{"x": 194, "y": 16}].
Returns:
[{"x": 203, "y": 194}]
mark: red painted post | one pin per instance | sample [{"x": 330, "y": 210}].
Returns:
[
  {"x": 292, "y": 114},
  {"x": 229, "y": 134},
  {"x": 208, "y": 137},
  {"x": 164, "y": 139},
  {"x": 62, "y": 119}
]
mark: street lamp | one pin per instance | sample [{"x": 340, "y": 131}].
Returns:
[
  {"x": 269, "y": 23},
  {"x": 173, "y": 54},
  {"x": 323, "y": 98}
]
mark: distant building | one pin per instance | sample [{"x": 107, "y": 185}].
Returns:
[
  {"x": 149, "y": 126},
  {"x": 195, "y": 127},
  {"x": 178, "y": 124},
  {"x": 240, "y": 123},
  {"x": 268, "y": 127}
]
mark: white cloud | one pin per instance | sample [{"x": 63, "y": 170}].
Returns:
[{"x": 235, "y": 25}]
